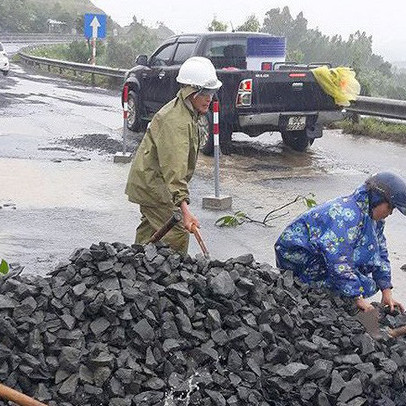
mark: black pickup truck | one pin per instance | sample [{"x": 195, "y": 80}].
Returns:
[{"x": 285, "y": 97}]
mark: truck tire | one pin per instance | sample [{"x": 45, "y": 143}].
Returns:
[
  {"x": 134, "y": 122},
  {"x": 206, "y": 135},
  {"x": 297, "y": 140},
  {"x": 207, "y": 141},
  {"x": 226, "y": 144}
]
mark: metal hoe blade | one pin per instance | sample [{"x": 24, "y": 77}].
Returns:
[{"x": 370, "y": 320}]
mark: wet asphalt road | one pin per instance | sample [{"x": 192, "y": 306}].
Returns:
[{"x": 56, "y": 196}]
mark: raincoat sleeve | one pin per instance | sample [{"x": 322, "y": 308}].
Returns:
[
  {"x": 336, "y": 244},
  {"x": 173, "y": 147},
  {"x": 382, "y": 273}
]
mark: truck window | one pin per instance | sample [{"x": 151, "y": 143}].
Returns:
[
  {"x": 183, "y": 52},
  {"x": 164, "y": 56},
  {"x": 225, "y": 53}
]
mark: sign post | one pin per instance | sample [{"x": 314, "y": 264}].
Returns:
[{"x": 95, "y": 27}]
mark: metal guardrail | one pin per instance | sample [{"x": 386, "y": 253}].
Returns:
[
  {"x": 374, "y": 106},
  {"x": 38, "y": 38},
  {"x": 73, "y": 66}
]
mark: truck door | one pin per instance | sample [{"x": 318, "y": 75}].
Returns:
[{"x": 158, "y": 80}]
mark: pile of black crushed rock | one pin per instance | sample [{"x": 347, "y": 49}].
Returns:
[{"x": 121, "y": 326}]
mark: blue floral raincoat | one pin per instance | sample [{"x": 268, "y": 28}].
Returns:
[{"x": 339, "y": 246}]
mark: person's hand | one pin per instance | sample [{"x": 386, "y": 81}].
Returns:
[
  {"x": 388, "y": 300},
  {"x": 188, "y": 217},
  {"x": 363, "y": 304}
]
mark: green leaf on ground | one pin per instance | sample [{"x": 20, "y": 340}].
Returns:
[
  {"x": 4, "y": 267},
  {"x": 231, "y": 220}
]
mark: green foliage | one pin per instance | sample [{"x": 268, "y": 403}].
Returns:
[
  {"x": 4, "y": 267},
  {"x": 32, "y": 15},
  {"x": 216, "y": 25},
  {"x": 120, "y": 54},
  {"x": 233, "y": 220},
  {"x": 309, "y": 201},
  {"x": 375, "y": 128},
  {"x": 80, "y": 51},
  {"x": 250, "y": 25},
  {"x": 239, "y": 217},
  {"x": 77, "y": 51}
]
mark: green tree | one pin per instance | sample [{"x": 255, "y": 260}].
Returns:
[
  {"x": 251, "y": 24},
  {"x": 79, "y": 51},
  {"x": 216, "y": 25},
  {"x": 277, "y": 22}
]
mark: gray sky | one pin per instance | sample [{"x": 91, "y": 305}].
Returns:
[{"x": 385, "y": 21}]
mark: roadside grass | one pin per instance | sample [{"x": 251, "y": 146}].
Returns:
[
  {"x": 57, "y": 51},
  {"x": 373, "y": 128}
]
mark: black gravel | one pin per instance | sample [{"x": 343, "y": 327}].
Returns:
[
  {"x": 98, "y": 142},
  {"x": 120, "y": 326}
]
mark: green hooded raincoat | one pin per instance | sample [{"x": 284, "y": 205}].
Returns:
[{"x": 166, "y": 158}]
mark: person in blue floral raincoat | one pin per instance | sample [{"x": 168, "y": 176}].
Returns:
[{"x": 341, "y": 245}]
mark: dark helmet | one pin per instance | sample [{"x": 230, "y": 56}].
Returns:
[{"x": 391, "y": 186}]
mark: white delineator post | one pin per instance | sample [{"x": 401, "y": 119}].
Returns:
[
  {"x": 125, "y": 117},
  {"x": 216, "y": 142},
  {"x": 216, "y": 202},
  {"x": 124, "y": 157}
]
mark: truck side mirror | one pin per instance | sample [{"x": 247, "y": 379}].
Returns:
[{"x": 141, "y": 60}]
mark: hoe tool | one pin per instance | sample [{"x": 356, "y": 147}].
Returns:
[
  {"x": 370, "y": 320},
  {"x": 18, "y": 397},
  {"x": 176, "y": 217},
  {"x": 200, "y": 241}
]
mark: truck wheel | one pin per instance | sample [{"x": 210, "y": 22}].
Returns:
[
  {"x": 226, "y": 144},
  {"x": 296, "y": 140},
  {"x": 134, "y": 122},
  {"x": 206, "y": 135}
]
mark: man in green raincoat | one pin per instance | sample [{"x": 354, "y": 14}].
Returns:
[{"x": 166, "y": 158}]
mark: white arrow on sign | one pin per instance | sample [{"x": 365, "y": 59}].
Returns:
[{"x": 95, "y": 26}]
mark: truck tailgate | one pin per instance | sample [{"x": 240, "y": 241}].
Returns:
[{"x": 288, "y": 91}]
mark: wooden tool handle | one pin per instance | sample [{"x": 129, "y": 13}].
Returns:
[
  {"x": 176, "y": 217},
  {"x": 18, "y": 397},
  {"x": 200, "y": 241}
]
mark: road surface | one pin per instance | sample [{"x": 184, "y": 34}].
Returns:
[{"x": 61, "y": 190}]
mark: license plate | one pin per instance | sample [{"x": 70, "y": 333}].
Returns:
[{"x": 296, "y": 123}]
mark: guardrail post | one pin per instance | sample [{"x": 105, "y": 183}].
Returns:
[
  {"x": 216, "y": 202},
  {"x": 355, "y": 118},
  {"x": 124, "y": 157}
]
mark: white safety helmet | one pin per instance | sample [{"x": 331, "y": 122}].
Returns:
[{"x": 198, "y": 72}]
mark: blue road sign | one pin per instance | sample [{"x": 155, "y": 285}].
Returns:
[{"x": 95, "y": 25}]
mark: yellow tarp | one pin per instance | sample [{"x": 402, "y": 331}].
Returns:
[{"x": 340, "y": 83}]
